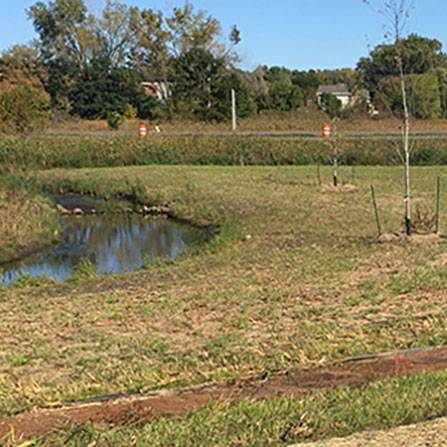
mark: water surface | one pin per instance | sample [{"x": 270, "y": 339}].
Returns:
[{"x": 112, "y": 243}]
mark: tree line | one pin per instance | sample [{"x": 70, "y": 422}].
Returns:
[{"x": 92, "y": 67}]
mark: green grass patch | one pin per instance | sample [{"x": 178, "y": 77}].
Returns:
[
  {"x": 282, "y": 422},
  {"x": 422, "y": 278}
]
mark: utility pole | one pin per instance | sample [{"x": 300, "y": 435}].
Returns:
[{"x": 233, "y": 109}]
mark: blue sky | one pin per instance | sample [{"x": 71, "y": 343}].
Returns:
[{"x": 299, "y": 34}]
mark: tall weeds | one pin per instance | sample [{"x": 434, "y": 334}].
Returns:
[{"x": 79, "y": 152}]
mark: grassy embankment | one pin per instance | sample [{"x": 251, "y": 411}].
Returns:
[
  {"x": 307, "y": 286},
  {"x": 26, "y": 222}
]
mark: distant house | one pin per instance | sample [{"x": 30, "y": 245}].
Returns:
[
  {"x": 160, "y": 90},
  {"x": 341, "y": 91}
]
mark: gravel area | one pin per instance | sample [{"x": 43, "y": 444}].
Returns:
[{"x": 426, "y": 434}]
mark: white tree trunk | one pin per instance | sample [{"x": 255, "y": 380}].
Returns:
[{"x": 406, "y": 147}]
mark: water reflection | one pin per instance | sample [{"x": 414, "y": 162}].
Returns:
[{"x": 114, "y": 244}]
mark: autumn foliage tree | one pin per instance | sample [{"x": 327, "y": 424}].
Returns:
[{"x": 24, "y": 102}]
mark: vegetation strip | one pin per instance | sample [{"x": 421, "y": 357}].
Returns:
[
  {"x": 84, "y": 152},
  {"x": 293, "y": 383}
]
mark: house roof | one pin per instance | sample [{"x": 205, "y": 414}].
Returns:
[{"x": 340, "y": 89}]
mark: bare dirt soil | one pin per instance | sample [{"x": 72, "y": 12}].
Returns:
[
  {"x": 118, "y": 410},
  {"x": 425, "y": 434}
]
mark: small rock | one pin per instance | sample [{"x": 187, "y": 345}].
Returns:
[
  {"x": 156, "y": 209},
  {"x": 77, "y": 211},
  {"x": 62, "y": 209}
]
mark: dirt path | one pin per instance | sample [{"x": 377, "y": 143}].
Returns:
[
  {"x": 425, "y": 434},
  {"x": 119, "y": 410}
]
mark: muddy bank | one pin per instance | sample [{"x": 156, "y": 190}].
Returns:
[{"x": 77, "y": 204}]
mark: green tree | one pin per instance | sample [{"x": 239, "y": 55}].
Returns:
[
  {"x": 151, "y": 55},
  {"x": 246, "y": 105},
  {"x": 307, "y": 81},
  {"x": 67, "y": 42},
  {"x": 331, "y": 105},
  {"x": 162, "y": 38},
  {"x": 424, "y": 99},
  {"x": 73, "y": 43},
  {"x": 116, "y": 32},
  {"x": 100, "y": 90},
  {"x": 66, "y": 30},
  {"x": 197, "y": 84},
  {"x": 284, "y": 96},
  {"x": 442, "y": 82},
  {"x": 278, "y": 74},
  {"x": 419, "y": 55},
  {"x": 191, "y": 30}
]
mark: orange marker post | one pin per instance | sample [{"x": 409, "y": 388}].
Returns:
[
  {"x": 326, "y": 131},
  {"x": 142, "y": 130}
]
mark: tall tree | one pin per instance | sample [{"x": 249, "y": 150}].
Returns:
[
  {"x": 67, "y": 43},
  {"x": 190, "y": 30},
  {"x": 151, "y": 55},
  {"x": 396, "y": 14},
  {"x": 117, "y": 33},
  {"x": 419, "y": 55},
  {"x": 66, "y": 30},
  {"x": 199, "y": 85}
]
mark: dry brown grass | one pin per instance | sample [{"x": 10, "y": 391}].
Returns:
[
  {"x": 25, "y": 223},
  {"x": 306, "y": 119}
]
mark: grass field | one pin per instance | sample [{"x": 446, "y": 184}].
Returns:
[{"x": 295, "y": 278}]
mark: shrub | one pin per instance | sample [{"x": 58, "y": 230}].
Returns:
[
  {"x": 114, "y": 120},
  {"x": 130, "y": 112},
  {"x": 24, "y": 108}
]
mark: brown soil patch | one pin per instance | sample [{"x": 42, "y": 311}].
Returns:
[
  {"x": 118, "y": 410},
  {"x": 425, "y": 434}
]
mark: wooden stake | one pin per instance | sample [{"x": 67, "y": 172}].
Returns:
[
  {"x": 376, "y": 211},
  {"x": 319, "y": 174},
  {"x": 438, "y": 204},
  {"x": 335, "y": 155},
  {"x": 335, "y": 166}
]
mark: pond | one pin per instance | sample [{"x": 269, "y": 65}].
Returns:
[{"x": 112, "y": 243}]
